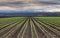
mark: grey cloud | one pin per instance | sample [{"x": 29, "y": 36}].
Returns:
[
  {"x": 13, "y": 4},
  {"x": 49, "y": 3},
  {"x": 20, "y": 3},
  {"x": 17, "y": 2},
  {"x": 33, "y": 2}
]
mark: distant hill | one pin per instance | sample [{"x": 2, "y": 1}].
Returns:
[
  {"x": 31, "y": 14},
  {"x": 28, "y": 12}
]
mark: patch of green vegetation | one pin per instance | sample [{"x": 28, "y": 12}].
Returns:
[
  {"x": 4, "y": 21},
  {"x": 55, "y": 20}
]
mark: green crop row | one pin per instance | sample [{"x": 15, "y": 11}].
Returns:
[
  {"x": 46, "y": 23},
  {"x": 7, "y": 21},
  {"x": 52, "y": 20}
]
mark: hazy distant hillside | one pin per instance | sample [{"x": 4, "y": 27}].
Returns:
[{"x": 29, "y": 12}]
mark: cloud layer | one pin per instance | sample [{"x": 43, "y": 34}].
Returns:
[{"x": 50, "y": 5}]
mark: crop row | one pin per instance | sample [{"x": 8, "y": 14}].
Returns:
[{"x": 51, "y": 29}]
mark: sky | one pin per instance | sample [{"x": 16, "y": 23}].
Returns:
[{"x": 41, "y": 5}]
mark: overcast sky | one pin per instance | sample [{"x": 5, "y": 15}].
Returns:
[{"x": 46, "y": 5}]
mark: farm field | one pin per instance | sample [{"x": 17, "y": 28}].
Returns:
[{"x": 30, "y": 27}]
